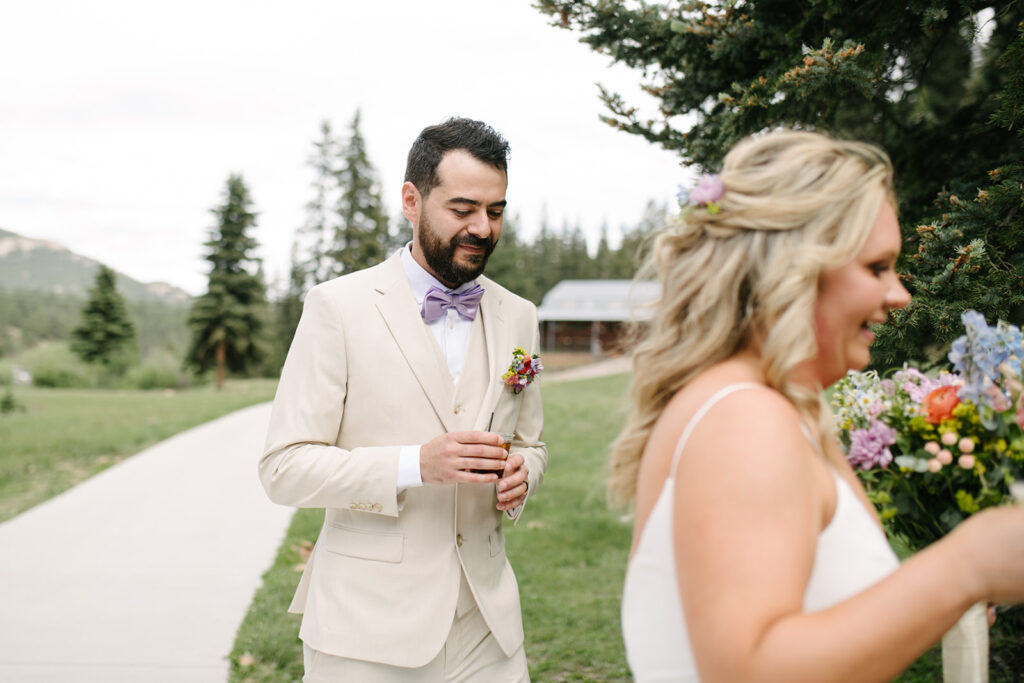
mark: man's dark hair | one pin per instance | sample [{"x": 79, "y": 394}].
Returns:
[{"x": 476, "y": 137}]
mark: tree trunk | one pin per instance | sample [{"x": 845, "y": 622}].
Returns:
[{"x": 220, "y": 364}]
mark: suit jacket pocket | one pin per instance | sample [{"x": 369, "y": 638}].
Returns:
[
  {"x": 506, "y": 410},
  {"x": 496, "y": 540},
  {"x": 366, "y": 545}
]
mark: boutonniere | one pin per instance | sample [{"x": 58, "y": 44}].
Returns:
[{"x": 523, "y": 370}]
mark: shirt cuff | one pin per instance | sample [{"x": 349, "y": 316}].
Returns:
[{"x": 409, "y": 468}]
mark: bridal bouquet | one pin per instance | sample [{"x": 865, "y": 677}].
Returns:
[{"x": 933, "y": 450}]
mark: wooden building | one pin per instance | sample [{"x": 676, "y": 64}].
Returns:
[{"x": 590, "y": 315}]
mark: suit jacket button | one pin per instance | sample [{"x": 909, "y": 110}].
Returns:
[
  {"x": 458, "y": 540},
  {"x": 377, "y": 507},
  {"x": 458, "y": 409}
]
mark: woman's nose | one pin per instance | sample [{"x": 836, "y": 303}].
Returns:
[{"x": 897, "y": 296}]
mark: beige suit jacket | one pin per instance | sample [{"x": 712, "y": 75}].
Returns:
[{"x": 365, "y": 376}]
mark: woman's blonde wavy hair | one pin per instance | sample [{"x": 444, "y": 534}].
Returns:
[{"x": 795, "y": 203}]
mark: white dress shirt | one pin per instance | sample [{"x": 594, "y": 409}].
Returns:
[{"x": 452, "y": 333}]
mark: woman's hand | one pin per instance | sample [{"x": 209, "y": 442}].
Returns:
[{"x": 990, "y": 554}]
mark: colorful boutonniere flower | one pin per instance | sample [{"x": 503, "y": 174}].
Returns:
[{"x": 523, "y": 370}]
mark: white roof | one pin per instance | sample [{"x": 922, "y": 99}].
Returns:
[{"x": 600, "y": 300}]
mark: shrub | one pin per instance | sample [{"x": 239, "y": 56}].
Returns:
[
  {"x": 6, "y": 372},
  {"x": 160, "y": 371},
  {"x": 53, "y": 365},
  {"x": 8, "y": 404}
]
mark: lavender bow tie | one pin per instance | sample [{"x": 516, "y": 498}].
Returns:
[{"x": 437, "y": 301}]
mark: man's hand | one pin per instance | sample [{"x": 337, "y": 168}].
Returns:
[
  {"x": 448, "y": 458},
  {"x": 513, "y": 485}
]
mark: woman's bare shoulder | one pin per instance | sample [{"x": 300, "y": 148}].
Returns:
[
  {"x": 751, "y": 428},
  {"x": 750, "y": 402}
]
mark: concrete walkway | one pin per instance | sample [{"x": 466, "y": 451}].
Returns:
[
  {"x": 144, "y": 572},
  {"x": 607, "y": 366}
]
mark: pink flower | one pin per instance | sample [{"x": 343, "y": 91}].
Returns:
[
  {"x": 709, "y": 189},
  {"x": 966, "y": 445},
  {"x": 876, "y": 409},
  {"x": 966, "y": 461},
  {"x": 932, "y": 447},
  {"x": 870, "y": 447},
  {"x": 997, "y": 398},
  {"x": 944, "y": 456},
  {"x": 934, "y": 465},
  {"x": 949, "y": 438}
]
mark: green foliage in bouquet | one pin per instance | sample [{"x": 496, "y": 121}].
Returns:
[{"x": 933, "y": 450}]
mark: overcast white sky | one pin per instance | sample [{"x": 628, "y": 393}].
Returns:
[{"x": 120, "y": 120}]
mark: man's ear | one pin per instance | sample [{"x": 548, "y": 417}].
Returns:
[{"x": 412, "y": 203}]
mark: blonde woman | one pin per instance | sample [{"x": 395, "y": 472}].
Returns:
[{"x": 756, "y": 554}]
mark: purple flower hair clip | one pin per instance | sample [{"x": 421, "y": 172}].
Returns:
[{"x": 706, "y": 194}]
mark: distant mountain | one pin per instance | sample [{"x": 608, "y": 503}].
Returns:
[{"x": 32, "y": 264}]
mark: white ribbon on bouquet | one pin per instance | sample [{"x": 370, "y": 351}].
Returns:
[{"x": 965, "y": 646}]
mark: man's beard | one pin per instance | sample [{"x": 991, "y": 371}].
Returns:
[{"x": 440, "y": 256}]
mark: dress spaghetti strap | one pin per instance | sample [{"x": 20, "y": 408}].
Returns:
[{"x": 699, "y": 415}]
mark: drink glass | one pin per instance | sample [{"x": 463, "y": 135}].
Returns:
[{"x": 506, "y": 443}]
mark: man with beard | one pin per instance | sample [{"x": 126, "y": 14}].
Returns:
[{"x": 383, "y": 417}]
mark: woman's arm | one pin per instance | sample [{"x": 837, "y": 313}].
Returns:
[{"x": 751, "y": 499}]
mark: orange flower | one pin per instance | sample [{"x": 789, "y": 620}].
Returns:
[{"x": 938, "y": 405}]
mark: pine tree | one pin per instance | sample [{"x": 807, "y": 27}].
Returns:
[
  {"x": 361, "y": 235},
  {"x": 506, "y": 264},
  {"x": 971, "y": 256},
  {"x": 547, "y": 261},
  {"x": 924, "y": 80},
  {"x": 320, "y": 223},
  {"x": 577, "y": 263},
  {"x": 227, "y": 321},
  {"x": 105, "y": 335},
  {"x": 603, "y": 259},
  {"x": 288, "y": 309}
]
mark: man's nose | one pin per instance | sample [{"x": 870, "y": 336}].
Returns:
[{"x": 480, "y": 225}]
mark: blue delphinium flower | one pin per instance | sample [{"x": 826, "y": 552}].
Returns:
[
  {"x": 979, "y": 354},
  {"x": 683, "y": 195}
]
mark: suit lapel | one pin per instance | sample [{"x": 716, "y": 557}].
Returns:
[
  {"x": 496, "y": 333},
  {"x": 397, "y": 307}
]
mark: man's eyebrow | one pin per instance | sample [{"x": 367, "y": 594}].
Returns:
[{"x": 473, "y": 202}]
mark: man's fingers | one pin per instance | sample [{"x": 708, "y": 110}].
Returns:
[
  {"x": 513, "y": 493},
  {"x": 514, "y": 471},
  {"x": 480, "y": 451},
  {"x": 513, "y": 498},
  {"x": 469, "y": 477},
  {"x": 497, "y": 465},
  {"x": 477, "y": 437}
]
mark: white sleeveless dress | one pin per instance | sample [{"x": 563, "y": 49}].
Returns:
[{"x": 851, "y": 555}]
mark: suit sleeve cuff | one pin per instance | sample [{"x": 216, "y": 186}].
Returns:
[{"x": 409, "y": 468}]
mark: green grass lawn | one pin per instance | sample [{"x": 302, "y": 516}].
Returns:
[
  {"x": 569, "y": 553},
  {"x": 60, "y": 437}
]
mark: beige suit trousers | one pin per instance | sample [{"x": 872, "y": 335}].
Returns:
[{"x": 470, "y": 655}]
